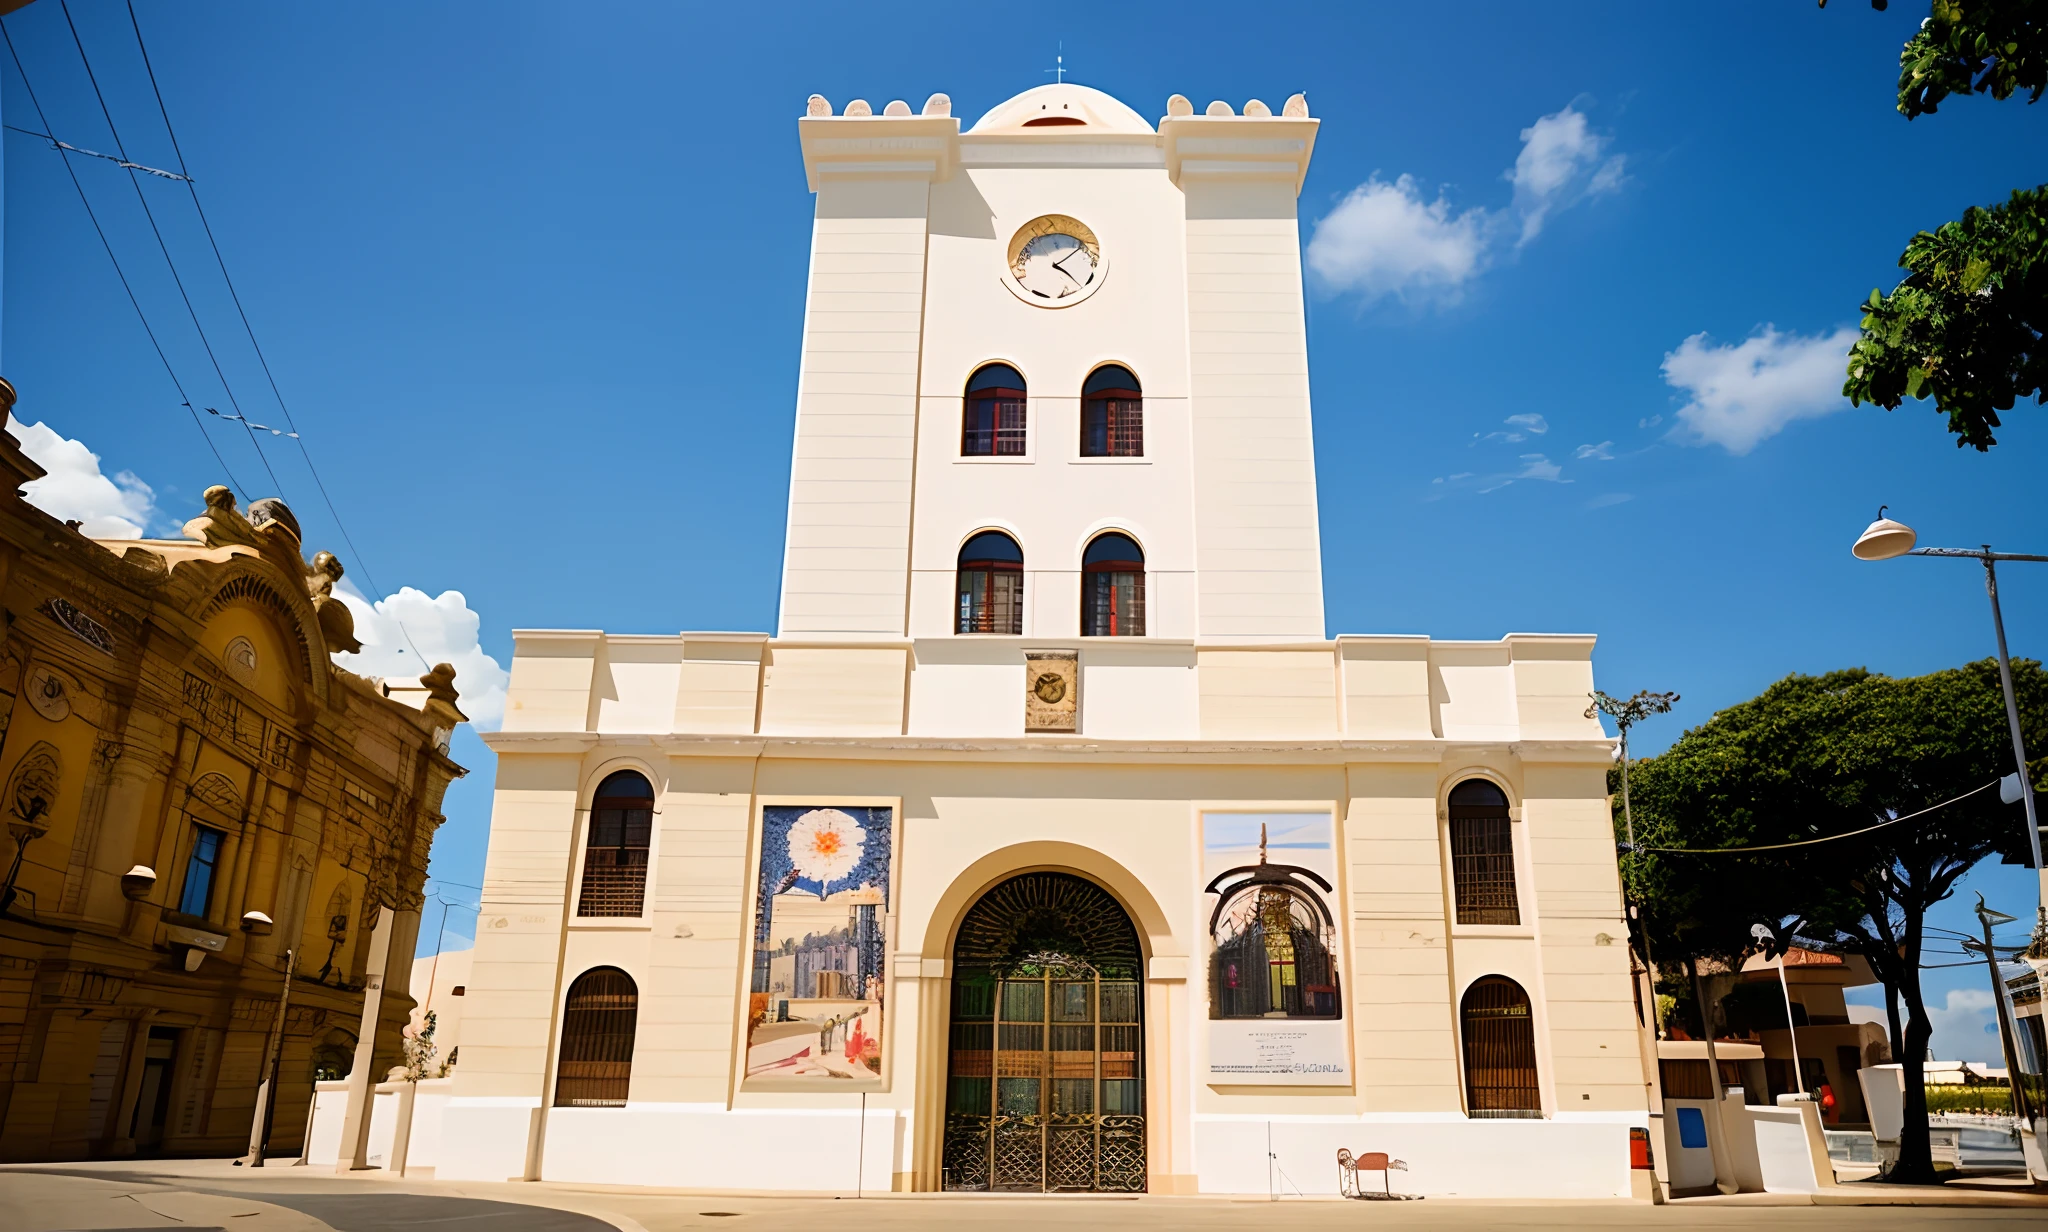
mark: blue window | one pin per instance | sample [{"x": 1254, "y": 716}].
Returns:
[
  {"x": 199, "y": 870},
  {"x": 1692, "y": 1128}
]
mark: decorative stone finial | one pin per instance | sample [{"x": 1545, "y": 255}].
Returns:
[
  {"x": 1179, "y": 105},
  {"x": 337, "y": 623},
  {"x": 222, "y": 524},
  {"x": 1219, "y": 108},
  {"x": 818, "y": 106},
  {"x": 938, "y": 105},
  {"x": 859, "y": 107},
  {"x": 896, "y": 107},
  {"x": 1296, "y": 108},
  {"x": 1257, "y": 108},
  {"x": 440, "y": 685}
]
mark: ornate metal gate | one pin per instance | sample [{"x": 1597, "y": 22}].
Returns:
[{"x": 1044, "y": 1085}]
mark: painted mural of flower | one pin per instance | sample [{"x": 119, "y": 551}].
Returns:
[{"x": 825, "y": 844}]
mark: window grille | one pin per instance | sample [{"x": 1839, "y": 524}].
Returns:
[
  {"x": 1483, "y": 855},
  {"x": 993, "y": 420},
  {"x": 597, "y": 1040},
  {"x": 1045, "y": 1069},
  {"x": 1500, "y": 1050},
  {"x": 991, "y": 585},
  {"x": 1113, "y": 588},
  {"x": 1112, "y": 415},
  {"x": 615, "y": 858}
]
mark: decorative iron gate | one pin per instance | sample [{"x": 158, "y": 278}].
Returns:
[{"x": 1044, "y": 1086}]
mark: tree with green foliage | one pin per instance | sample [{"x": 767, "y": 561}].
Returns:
[
  {"x": 1836, "y": 808},
  {"x": 1964, "y": 327}
]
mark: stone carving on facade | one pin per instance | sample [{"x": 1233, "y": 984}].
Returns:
[
  {"x": 222, "y": 525},
  {"x": 50, "y": 692},
  {"x": 79, "y": 625},
  {"x": 337, "y": 623},
  {"x": 32, "y": 790},
  {"x": 214, "y": 789}
]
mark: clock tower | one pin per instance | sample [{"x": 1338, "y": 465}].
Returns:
[{"x": 1060, "y": 324}]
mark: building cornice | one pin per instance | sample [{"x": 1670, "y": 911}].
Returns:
[{"x": 1053, "y": 749}]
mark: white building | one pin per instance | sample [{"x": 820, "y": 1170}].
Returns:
[{"x": 1049, "y": 842}]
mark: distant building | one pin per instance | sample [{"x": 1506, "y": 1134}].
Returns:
[
  {"x": 192, "y": 787},
  {"x": 1050, "y": 830}
]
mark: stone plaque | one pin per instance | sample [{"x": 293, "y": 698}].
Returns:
[{"x": 1052, "y": 690}]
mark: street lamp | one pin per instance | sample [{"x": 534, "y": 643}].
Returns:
[{"x": 1885, "y": 539}]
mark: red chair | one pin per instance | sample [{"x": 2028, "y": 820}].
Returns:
[{"x": 1349, "y": 1166}]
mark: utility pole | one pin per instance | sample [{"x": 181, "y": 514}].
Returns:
[
  {"x": 266, "y": 1092},
  {"x": 1987, "y": 917}
]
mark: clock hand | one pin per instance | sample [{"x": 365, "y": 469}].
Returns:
[{"x": 1061, "y": 265}]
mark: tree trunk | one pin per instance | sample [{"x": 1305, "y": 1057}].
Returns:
[
  {"x": 1896, "y": 1038},
  {"x": 1916, "y": 1158}
]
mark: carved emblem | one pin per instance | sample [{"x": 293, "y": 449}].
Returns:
[
  {"x": 1051, "y": 690},
  {"x": 79, "y": 625},
  {"x": 50, "y": 692},
  {"x": 215, "y": 789},
  {"x": 240, "y": 656},
  {"x": 32, "y": 789}
]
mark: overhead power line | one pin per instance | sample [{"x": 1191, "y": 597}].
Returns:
[
  {"x": 1717, "y": 851},
  {"x": 143, "y": 199},
  {"x": 79, "y": 149},
  {"x": 118, "y": 272},
  {"x": 247, "y": 328}
]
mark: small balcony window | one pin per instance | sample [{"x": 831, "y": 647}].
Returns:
[
  {"x": 992, "y": 423},
  {"x": 1112, "y": 415},
  {"x": 1113, "y": 588}
]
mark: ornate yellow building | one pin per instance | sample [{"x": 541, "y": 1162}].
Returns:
[{"x": 192, "y": 788}]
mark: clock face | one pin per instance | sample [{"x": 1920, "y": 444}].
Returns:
[
  {"x": 1056, "y": 266},
  {"x": 1054, "y": 261}
]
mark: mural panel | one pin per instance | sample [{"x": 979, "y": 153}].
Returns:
[
  {"x": 1276, "y": 998},
  {"x": 815, "y": 1010}
]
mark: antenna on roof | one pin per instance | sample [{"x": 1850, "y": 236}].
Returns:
[{"x": 1059, "y": 68}]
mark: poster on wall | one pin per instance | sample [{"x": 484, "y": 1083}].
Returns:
[
  {"x": 815, "y": 1005},
  {"x": 1275, "y": 989}
]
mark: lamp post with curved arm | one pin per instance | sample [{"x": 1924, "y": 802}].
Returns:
[{"x": 1886, "y": 538}]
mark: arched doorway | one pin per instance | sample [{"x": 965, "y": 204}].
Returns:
[{"x": 1045, "y": 1058}]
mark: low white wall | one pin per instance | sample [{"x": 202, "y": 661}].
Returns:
[
  {"x": 1689, "y": 1167},
  {"x": 706, "y": 1146},
  {"x": 429, "y": 1118},
  {"x": 330, "y": 1112},
  {"x": 1472, "y": 1159},
  {"x": 330, "y": 1108},
  {"x": 483, "y": 1138}
]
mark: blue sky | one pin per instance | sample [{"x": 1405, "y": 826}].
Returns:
[{"x": 531, "y": 278}]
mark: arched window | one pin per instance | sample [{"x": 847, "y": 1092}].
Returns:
[
  {"x": 597, "y": 1040},
  {"x": 1112, "y": 415},
  {"x": 1500, "y": 1050},
  {"x": 1483, "y": 855},
  {"x": 615, "y": 858},
  {"x": 991, "y": 584},
  {"x": 993, "y": 422},
  {"x": 1113, "y": 588}
]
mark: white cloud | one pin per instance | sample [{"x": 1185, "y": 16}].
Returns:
[
  {"x": 1610, "y": 498},
  {"x": 1959, "y": 1027},
  {"x": 434, "y": 630},
  {"x": 1603, "y": 452},
  {"x": 1560, "y": 163},
  {"x": 116, "y": 507},
  {"x": 1530, "y": 420},
  {"x": 1384, "y": 239},
  {"x": 1740, "y": 394}
]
